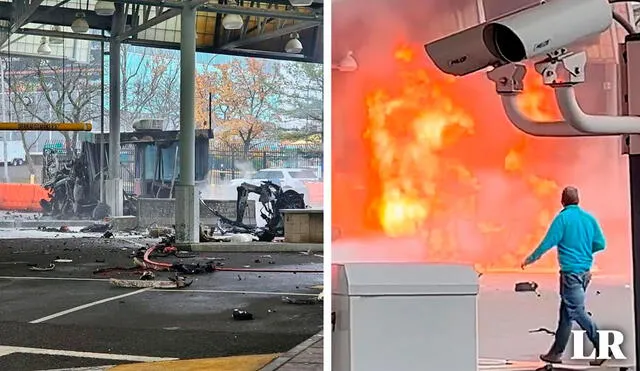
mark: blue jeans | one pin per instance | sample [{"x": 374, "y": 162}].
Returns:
[{"x": 573, "y": 288}]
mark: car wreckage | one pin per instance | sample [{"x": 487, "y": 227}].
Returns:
[{"x": 273, "y": 200}]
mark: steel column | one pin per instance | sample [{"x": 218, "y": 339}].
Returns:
[{"x": 187, "y": 199}]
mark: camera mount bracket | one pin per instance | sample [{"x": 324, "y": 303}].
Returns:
[
  {"x": 508, "y": 78},
  {"x": 563, "y": 68}
]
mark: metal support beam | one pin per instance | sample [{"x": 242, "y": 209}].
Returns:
[
  {"x": 18, "y": 19},
  {"x": 62, "y": 35},
  {"x": 22, "y": 17},
  {"x": 148, "y": 24},
  {"x": 230, "y": 9},
  {"x": 114, "y": 196},
  {"x": 271, "y": 35},
  {"x": 58, "y": 16},
  {"x": 187, "y": 199}
]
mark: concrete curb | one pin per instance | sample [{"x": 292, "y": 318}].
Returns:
[
  {"x": 256, "y": 247},
  {"x": 288, "y": 356}
]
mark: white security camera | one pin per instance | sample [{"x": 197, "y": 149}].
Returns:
[{"x": 527, "y": 33}]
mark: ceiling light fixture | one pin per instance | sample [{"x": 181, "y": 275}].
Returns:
[
  {"x": 44, "y": 48},
  {"x": 294, "y": 46},
  {"x": 104, "y": 8},
  {"x": 232, "y": 22},
  {"x": 80, "y": 24}
]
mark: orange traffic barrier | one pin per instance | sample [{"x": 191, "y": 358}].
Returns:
[{"x": 22, "y": 197}]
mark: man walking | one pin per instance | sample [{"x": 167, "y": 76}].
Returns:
[{"x": 578, "y": 236}]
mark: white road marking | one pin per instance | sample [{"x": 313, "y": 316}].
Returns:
[
  {"x": 167, "y": 290},
  {"x": 4, "y": 350},
  {"x": 238, "y": 292},
  {"x": 84, "y": 306},
  {"x": 54, "y": 278}
]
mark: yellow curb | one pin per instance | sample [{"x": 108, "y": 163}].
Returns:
[
  {"x": 318, "y": 287},
  {"x": 239, "y": 363}
]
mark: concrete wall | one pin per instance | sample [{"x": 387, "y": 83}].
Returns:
[{"x": 161, "y": 211}]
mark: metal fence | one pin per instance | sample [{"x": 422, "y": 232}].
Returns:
[
  {"x": 229, "y": 162},
  {"x": 128, "y": 167}
]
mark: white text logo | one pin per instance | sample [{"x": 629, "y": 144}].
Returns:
[{"x": 609, "y": 344}]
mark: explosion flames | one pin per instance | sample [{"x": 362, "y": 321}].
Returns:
[
  {"x": 432, "y": 163},
  {"x": 446, "y": 169}
]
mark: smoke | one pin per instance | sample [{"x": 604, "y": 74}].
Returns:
[
  {"x": 374, "y": 29},
  {"x": 222, "y": 189}
]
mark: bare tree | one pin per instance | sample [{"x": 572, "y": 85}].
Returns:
[
  {"x": 70, "y": 90},
  {"x": 302, "y": 101},
  {"x": 54, "y": 90},
  {"x": 165, "y": 103},
  {"x": 150, "y": 85}
]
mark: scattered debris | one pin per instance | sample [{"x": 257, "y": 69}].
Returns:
[
  {"x": 100, "y": 260},
  {"x": 97, "y": 228},
  {"x": 242, "y": 315},
  {"x": 172, "y": 283},
  {"x": 543, "y": 329},
  {"x": 527, "y": 287},
  {"x": 157, "y": 232},
  {"x": 63, "y": 260},
  {"x": 40, "y": 269},
  {"x": 107, "y": 234},
  {"x": 63, "y": 229},
  {"x": 299, "y": 301},
  {"x": 147, "y": 275}
]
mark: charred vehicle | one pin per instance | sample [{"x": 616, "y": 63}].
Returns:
[{"x": 149, "y": 170}]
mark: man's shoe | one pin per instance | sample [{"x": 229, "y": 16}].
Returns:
[
  {"x": 550, "y": 358},
  {"x": 596, "y": 362}
]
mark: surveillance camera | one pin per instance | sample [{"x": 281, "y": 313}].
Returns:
[{"x": 527, "y": 33}]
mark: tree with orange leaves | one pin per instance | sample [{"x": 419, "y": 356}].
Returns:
[{"x": 246, "y": 97}]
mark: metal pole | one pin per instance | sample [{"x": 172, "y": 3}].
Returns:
[
  {"x": 187, "y": 200},
  {"x": 210, "y": 110},
  {"x": 3, "y": 107},
  {"x": 102, "y": 120},
  {"x": 114, "y": 196},
  {"x": 187, "y": 96}
]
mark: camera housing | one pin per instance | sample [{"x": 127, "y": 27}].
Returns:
[{"x": 524, "y": 34}]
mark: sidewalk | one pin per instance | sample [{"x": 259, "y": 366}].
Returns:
[{"x": 305, "y": 356}]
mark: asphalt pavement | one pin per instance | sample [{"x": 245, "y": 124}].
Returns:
[{"x": 71, "y": 317}]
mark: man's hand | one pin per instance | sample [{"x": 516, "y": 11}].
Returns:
[{"x": 524, "y": 264}]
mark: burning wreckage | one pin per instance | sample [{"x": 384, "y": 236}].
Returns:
[
  {"x": 74, "y": 189},
  {"x": 273, "y": 200}
]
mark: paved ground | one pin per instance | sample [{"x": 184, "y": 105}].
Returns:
[
  {"x": 506, "y": 317},
  {"x": 76, "y": 314}
]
